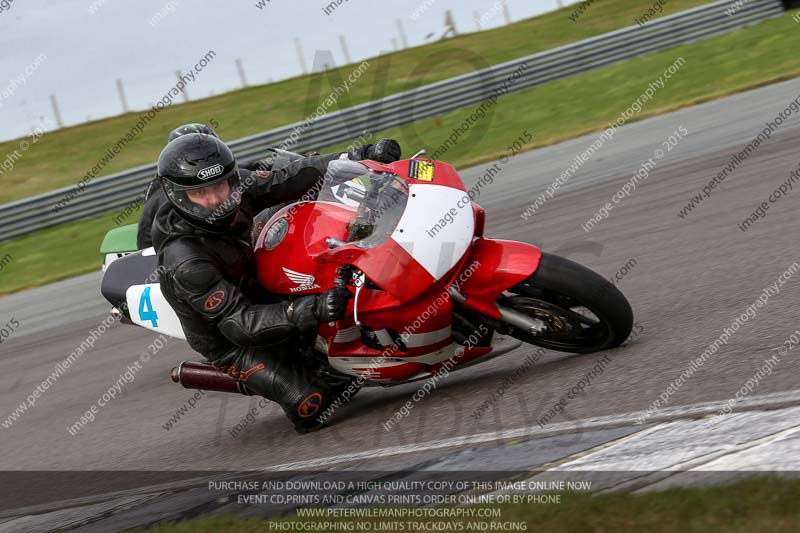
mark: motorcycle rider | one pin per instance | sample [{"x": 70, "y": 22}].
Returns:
[
  {"x": 154, "y": 196},
  {"x": 202, "y": 237}
]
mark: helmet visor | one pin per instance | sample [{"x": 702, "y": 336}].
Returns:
[{"x": 209, "y": 202}]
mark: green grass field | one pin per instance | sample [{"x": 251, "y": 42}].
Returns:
[
  {"x": 749, "y": 506},
  {"x": 559, "y": 110},
  {"x": 63, "y": 157},
  {"x": 55, "y": 253}
]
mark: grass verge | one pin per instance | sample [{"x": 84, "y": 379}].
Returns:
[
  {"x": 753, "y": 505},
  {"x": 559, "y": 110},
  {"x": 55, "y": 253}
]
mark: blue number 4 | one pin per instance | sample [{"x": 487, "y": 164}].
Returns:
[{"x": 146, "y": 311}]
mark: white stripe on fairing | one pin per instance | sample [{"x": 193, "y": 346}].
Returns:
[
  {"x": 432, "y": 358},
  {"x": 500, "y": 345},
  {"x": 361, "y": 362},
  {"x": 779, "y": 399},
  {"x": 415, "y": 340},
  {"x": 427, "y": 205},
  {"x": 348, "y": 334},
  {"x": 348, "y": 364}
]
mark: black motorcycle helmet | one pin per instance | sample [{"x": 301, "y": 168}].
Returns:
[
  {"x": 200, "y": 178},
  {"x": 191, "y": 128}
]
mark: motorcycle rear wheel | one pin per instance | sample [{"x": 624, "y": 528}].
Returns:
[{"x": 582, "y": 311}]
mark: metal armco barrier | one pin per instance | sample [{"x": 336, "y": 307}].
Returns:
[{"x": 114, "y": 192}]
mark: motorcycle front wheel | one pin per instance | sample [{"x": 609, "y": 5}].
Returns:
[{"x": 579, "y": 310}]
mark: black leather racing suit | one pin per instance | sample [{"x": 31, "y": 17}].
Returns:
[
  {"x": 153, "y": 200},
  {"x": 209, "y": 280}
]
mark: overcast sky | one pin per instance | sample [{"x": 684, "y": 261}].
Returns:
[{"x": 82, "y": 53}]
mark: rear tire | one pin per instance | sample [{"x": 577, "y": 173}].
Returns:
[{"x": 556, "y": 294}]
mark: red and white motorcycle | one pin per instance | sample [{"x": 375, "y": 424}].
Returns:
[{"x": 429, "y": 288}]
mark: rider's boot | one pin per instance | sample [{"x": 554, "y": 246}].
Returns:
[
  {"x": 284, "y": 379},
  {"x": 343, "y": 388}
]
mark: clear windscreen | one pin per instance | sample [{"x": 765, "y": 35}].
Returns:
[{"x": 377, "y": 200}]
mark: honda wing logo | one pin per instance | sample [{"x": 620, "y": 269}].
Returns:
[
  {"x": 305, "y": 282},
  {"x": 210, "y": 172}
]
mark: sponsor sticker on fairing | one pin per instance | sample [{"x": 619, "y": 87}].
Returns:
[{"x": 421, "y": 170}]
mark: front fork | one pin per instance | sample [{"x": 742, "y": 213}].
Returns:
[{"x": 507, "y": 316}]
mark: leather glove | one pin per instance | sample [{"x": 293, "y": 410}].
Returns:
[
  {"x": 307, "y": 312},
  {"x": 383, "y": 151},
  {"x": 332, "y": 304},
  {"x": 301, "y": 313}
]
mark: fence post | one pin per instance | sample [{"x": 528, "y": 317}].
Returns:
[
  {"x": 121, "y": 91},
  {"x": 346, "y": 52},
  {"x": 450, "y": 23},
  {"x": 240, "y": 69},
  {"x": 299, "y": 48},
  {"x": 506, "y": 14},
  {"x": 402, "y": 32},
  {"x": 56, "y": 112},
  {"x": 184, "y": 92}
]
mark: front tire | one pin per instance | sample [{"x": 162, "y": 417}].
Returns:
[{"x": 558, "y": 294}]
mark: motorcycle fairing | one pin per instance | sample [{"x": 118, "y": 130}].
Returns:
[
  {"x": 149, "y": 309},
  {"x": 125, "y": 285},
  {"x": 501, "y": 265},
  {"x": 408, "y": 265}
]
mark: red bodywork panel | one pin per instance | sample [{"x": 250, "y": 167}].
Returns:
[
  {"x": 503, "y": 264},
  {"x": 296, "y": 252}
]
